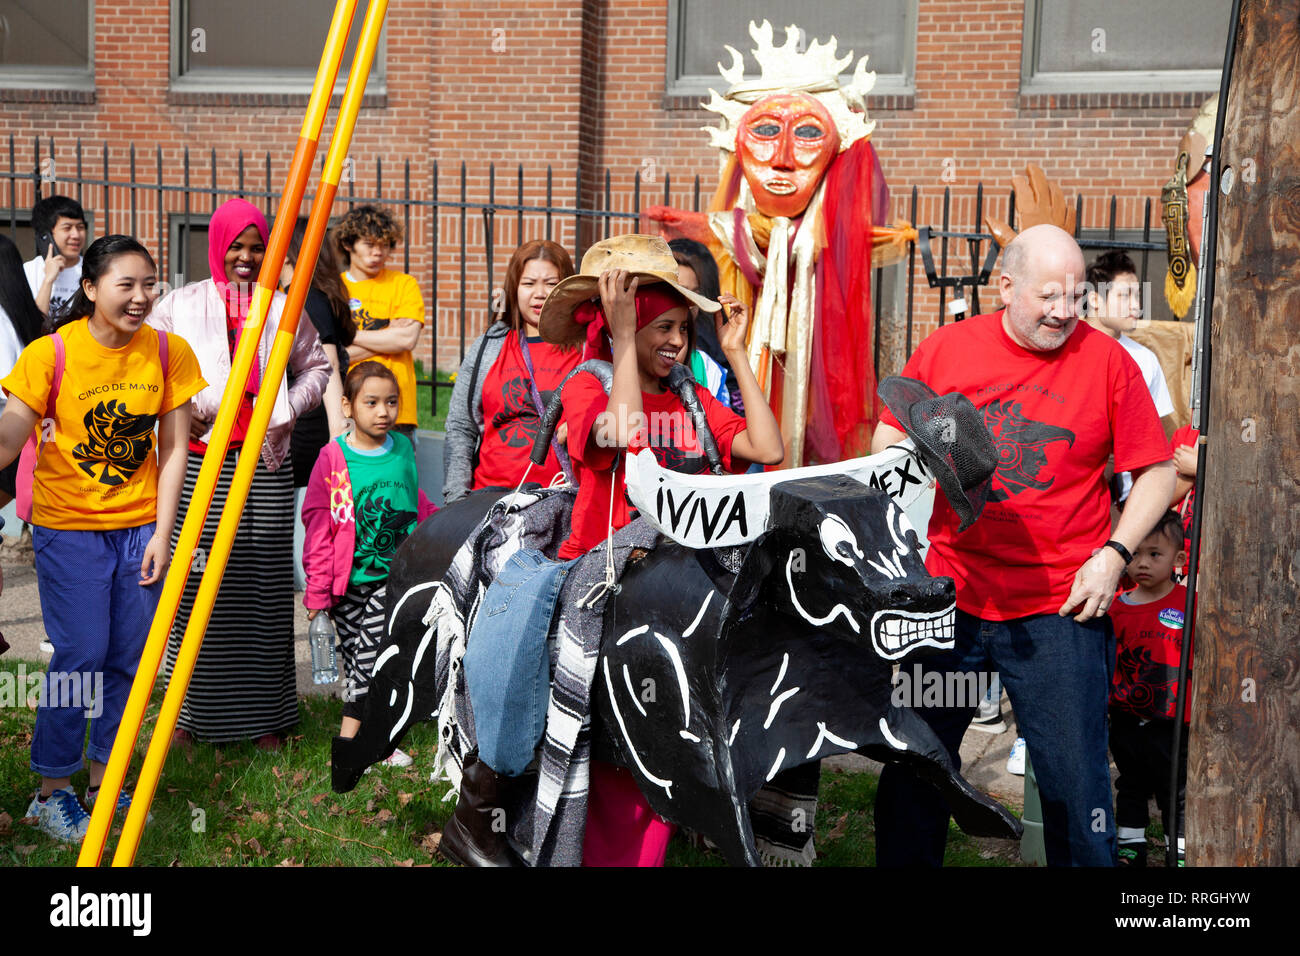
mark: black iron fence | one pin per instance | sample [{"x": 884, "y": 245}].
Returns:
[{"x": 456, "y": 227}]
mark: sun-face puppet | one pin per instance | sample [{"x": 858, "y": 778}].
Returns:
[{"x": 800, "y": 208}]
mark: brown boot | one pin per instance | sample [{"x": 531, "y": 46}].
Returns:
[{"x": 475, "y": 835}]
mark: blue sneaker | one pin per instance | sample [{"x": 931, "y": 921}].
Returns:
[
  {"x": 62, "y": 816},
  {"x": 123, "y": 802}
]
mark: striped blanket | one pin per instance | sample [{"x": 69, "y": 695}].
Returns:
[{"x": 547, "y": 826}]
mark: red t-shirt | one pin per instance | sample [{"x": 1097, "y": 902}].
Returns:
[
  {"x": 669, "y": 434},
  {"x": 1055, "y": 417},
  {"x": 1187, "y": 435},
  {"x": 510, "y": 419},
  {"x": 1149, "y": 640}
]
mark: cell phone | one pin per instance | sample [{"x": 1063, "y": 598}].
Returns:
[{"x": 43, "y": 242}]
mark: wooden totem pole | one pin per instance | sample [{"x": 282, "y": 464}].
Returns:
[{"x": 1243, "y": 781}]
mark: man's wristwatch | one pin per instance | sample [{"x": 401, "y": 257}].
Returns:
[{"x": 1122, "y": 551}]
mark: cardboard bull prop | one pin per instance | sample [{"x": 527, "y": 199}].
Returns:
[{"x": 767, "y": 648}]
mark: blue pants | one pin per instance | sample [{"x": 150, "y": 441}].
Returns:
[
  {"x": 97, "y": 617},
  {"x": 1057, "y": 674},
  {"x": 507, "y": 663}
]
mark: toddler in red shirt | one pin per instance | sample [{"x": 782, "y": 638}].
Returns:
[{"x": 1149, "y": 628}]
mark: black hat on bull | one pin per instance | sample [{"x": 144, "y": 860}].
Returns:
[{"x": 950, "y": 436}]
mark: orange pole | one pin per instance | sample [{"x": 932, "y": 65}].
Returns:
[
  {"x": 250, "y": 452},
  {"x": 92, "y": 847}
]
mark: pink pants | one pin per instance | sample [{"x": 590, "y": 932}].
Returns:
[{"x": 622, "y": 830}]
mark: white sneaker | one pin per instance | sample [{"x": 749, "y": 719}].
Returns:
[
  {"x": 398, "y": 758},
  {"x": 62, "y": 816},
  {"x": 47, "y": 648},
  {"x": 1016, "y": 759}
]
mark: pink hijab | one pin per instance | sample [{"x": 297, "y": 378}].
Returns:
[{"x": 230, "y": 219}]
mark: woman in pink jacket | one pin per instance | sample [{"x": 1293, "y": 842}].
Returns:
[
  {"x": 361, "y": 502},
  {"x": 243, "y": 685}
]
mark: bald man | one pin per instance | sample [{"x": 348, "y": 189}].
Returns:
[{"x": 1037, "y": 572}]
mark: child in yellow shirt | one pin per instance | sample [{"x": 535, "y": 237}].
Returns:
[
  {"x": 386, "y": 305},
  {"x": 103, "y": 506}
]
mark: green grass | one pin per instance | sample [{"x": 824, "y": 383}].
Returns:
[
  {"x": 235, "y": 805},
  {"x": 846, "y": 832},
  {"x": 424, "y": 399}
]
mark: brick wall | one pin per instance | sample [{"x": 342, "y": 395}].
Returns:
[{"x": 578, "y": 85}]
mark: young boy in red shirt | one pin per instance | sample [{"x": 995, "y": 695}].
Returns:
[{"x": 1149, "y": 627}]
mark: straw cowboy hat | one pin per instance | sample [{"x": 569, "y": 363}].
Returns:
[{"x": 645, "y": 257}]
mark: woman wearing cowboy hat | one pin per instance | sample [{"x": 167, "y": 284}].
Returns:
[{"x": 628, "y": 304}]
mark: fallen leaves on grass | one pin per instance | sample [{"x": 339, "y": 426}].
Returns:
[
  {"x": 259, "y": 816},
  {"x": 430, "y": 843},
  {"x": 343, "y": 839},
  {"x": 25, "y": 849},
  {"x": 404, "y": 798},
  {"x": 837, "y": 831},
  {"x": 6, "y": 823}
]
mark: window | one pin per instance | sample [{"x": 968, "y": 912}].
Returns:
[
  {"x": 253, "y": 46},
  {"x": 46, "y": 44},
  {"x": 1118, "y": 46},
  {"x": 698, "y": 31}
]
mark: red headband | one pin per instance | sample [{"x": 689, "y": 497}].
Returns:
[{"x": 652, "y": 301}]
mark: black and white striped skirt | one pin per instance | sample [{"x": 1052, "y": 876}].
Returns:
[{"x": 243, "y": 684}]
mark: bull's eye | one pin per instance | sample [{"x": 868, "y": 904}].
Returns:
[
  {"x": 902, "y": 531},
  {"x": 838, "y": 540}
]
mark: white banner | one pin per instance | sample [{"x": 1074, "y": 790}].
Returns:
[{"x": 719, "y": 511}]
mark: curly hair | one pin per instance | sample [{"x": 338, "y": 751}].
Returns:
[{"x": 367, "y": 222}]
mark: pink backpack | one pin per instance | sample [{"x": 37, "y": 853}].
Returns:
[{"x": 32, "y": 450}]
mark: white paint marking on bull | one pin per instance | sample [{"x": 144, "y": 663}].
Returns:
[
  {"x": 419, "y": 653},
  {"x": 383, "y": 659},
  {"x": 776, "y": 705},
  {"x": 824, "y": 734},
  {"x": 618, "y": 716},
  {"x": 776, "y": 765},
  {"x": 402, "y": 600},
  {"x": 834, "y": 612},
  {"x": 681, "y": 677},
  {"x": 406, "y": 712},
  {"x": 735, "y": 729},
  {"x": 785, "y": 662},
  {"x": 893, "y": 741},
  {"x": 632, "y": 633},
  {"x": 627, "y": 679},
  {"x": 899, "y": 517},
  {"x": 834, "y": 532},
  {"x": 687, "y": 735},
  {"x": 392, "y": 697},
  {"x": 699, "y": 616}
]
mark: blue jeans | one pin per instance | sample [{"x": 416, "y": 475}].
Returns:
[
  {"x": 97, "y": 616},
  {"x": 507, "y": 662},
  {"x": 1057, "y": 674}
]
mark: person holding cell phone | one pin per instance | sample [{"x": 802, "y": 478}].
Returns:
[{"x": 54, "y": 274}]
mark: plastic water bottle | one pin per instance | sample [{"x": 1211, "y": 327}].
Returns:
[{"x": 324, "y": 670}]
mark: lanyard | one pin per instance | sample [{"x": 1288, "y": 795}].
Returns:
[{"x": 560, "y": 454}]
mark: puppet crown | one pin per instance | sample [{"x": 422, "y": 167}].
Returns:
[{"x": 787, "y": 69}]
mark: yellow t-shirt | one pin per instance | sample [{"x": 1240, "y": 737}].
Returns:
[
  {"x": 389, "y": 295},
  {"x": 97, "y": 471}
]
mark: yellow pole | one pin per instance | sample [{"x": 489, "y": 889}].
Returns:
[
  {"x": 101, "y": 819},
  {"x": 250, "y": 452}
]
